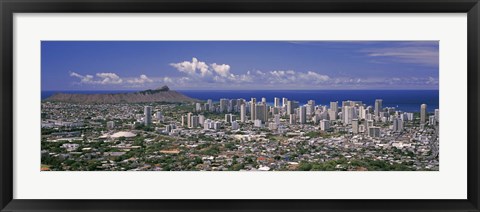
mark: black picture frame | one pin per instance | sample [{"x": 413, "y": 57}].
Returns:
[{"x": 9, "y": 7}]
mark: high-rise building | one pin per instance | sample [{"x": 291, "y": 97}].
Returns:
[
  {"x": 374, "y": 132},
  {"x": 348, "y": 114},
  {"x": 276, "y": 102},
  {"x": 316, "y": 118},
  {"x": 253, "y": 103},
  {"x": 355, "y": 126},
  {"x": 397, "y": 125},
  {"x": 217, "y": 125},
  {"x": 260, "y": 112},
  {"x": 378, "y": 109},
  {"x": 264, "y": 100},
  {"x": 211, "y": 108},
  {"x": 333, "y": 111},
  {"x": 223, "y": 105},
  {"x": 210, "y": 102},
  {"x": 195, "y": 121},
  {"x": 243, "y": 113},
  {"x": 148, "y": 115},
  {"x": 423, "y": 113},
  {"x": 198, "y": 107},
  {"x": 206, "y": 106},
  {"x": 293, "y": 119},
  {"x": 189, "y": 120},
  {"x": 431, "y": 120},
  {"x": 310, "y": 107},
  {"x": 291, "y": 106},
  {"x": 334, "y": 106},
  {"x": 265, "y": 111},
  {"x": 232, "y": 104},
  {"x": 437, "y": 115},
  {"x": 206, "y": 124},
  {"x": 324, "y": 125},
  {"x": 362, "y": 112},
  {"x": 284, "y": 102},
  {"x": 184, "y": 120},
  {"x": 227, "y": 118},
  {"x": 303, "y": 115}
]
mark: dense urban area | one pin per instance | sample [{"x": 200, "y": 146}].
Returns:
[{"x": 238, "y": 135}]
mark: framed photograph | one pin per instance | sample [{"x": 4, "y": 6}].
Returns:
[{"x": 230, "y": 105}]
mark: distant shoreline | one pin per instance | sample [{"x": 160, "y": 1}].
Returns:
[{"x": 406, "y": 100}]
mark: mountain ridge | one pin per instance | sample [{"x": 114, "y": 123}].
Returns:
[{"x": 162, "y": 94}]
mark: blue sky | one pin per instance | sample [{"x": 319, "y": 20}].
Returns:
[{"x": 239, "y": 65}]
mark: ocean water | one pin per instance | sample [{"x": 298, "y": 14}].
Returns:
[{"x": 405, "y": 100}]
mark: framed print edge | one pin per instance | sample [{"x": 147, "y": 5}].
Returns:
[{"x": 8, "y": 8}]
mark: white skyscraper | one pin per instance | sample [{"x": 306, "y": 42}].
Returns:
[
  {"x": 348, "y": 114},
  {"x": 333, "y": 111},
  {"x": 198, "y": 107},
  {"x": 148, "y": 115},
  {"x": 437, "y": 115},
  {"x": 253, "y": 103},
  {"x": 243, "y": 113},
  {"x": 362, "y": 112},
  {"x": 284, "y": 102},
  {"x": 423, "y": 113},
  {"x": 189, "y": 120},
  {"x": 210, "y": 105},
  {"x": 303, "y": 115},
  {"x": 324, "y": 125},
  {"x": 276, "y": 102},
  {"x": 293, "y": 119},
  {"x": 354, "y": 126}
]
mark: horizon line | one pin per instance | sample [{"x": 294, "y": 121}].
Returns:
[{"x": 257, "y": 90}]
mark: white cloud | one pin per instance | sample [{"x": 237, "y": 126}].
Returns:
[
  {"x": 140, "y": 80},
  {"x": 222, "y": 70},
  {"x": 83, "y": 79},
  {"x": 191, "y": 68},
  {"x": 314, "y": 77},
  {"x": 167, "y": 80},
  {"x": 102, "y": 78},
  {"x": 109, "y": 78}
]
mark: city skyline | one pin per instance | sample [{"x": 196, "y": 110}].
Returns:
[{"x": 239, "y": 65}]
